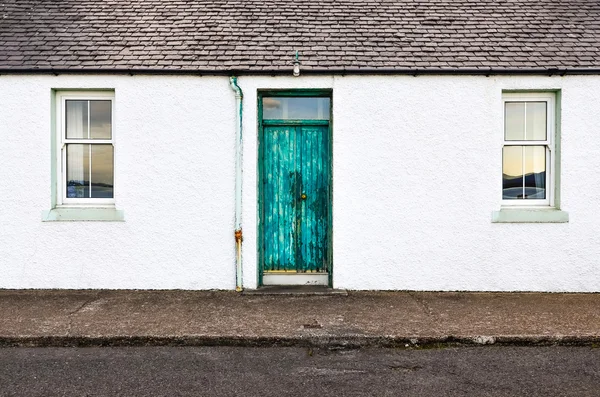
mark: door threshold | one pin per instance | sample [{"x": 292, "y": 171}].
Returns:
[
  {"x": 295, "y": 290},
  {"x": 293, "y": 278}
]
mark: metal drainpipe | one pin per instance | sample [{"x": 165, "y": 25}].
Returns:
[{"x": 239, "y": 95}]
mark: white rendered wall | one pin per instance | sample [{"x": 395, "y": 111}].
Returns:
[
  {"x": 174, "y": 171},
  {"x": 417, "y": 165}
]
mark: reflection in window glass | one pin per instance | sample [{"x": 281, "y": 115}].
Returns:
[
  {"x": 76, "y": 122},
  {"x": 100, "y": 119},
  {"x": 88, "y": 119},
  {"x": 524, "y": 172},
  {"x": 536, "y": 121},
  {"x": 296, "y": 108},
  {"x": 89, "y": 171},
  {"x": 78, "y": 171},
  {"x": 101, "y": 171},
  {"x": 525, "y": 121}
]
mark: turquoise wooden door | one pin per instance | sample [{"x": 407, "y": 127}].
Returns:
[{"x": 295, "y": 197}]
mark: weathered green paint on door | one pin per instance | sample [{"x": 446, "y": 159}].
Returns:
[{"x": 295, "y": 196}]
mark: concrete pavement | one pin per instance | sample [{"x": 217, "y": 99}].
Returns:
[{"x": 353, "y": 319}]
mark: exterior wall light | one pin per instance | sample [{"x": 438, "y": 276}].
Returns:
[{"x": 296, "y": 66}]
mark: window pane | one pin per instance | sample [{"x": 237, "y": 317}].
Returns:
[
  {"x": 100, "y": 119},
  {"x": 296, "y": 108},
  {"x": 524, "y": 172},
  {"x": 514, "y": 123},
  {"x": 536, "y": 121},
  {"x": 78, "y": 171},
  {"x": 525, "y": 121},
  {"x": 512, "y": 172},
  {"x": 102, "y": 171},
  {"x": 535, "y": 172},
  {"x": 76, "y": 122}
]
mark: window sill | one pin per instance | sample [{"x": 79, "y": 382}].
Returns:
[
  {"x": 71, "y": 214},
  {"x": 530, "y": 215}
]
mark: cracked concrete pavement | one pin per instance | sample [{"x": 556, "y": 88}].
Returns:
[{"x": 108, "y": 317}]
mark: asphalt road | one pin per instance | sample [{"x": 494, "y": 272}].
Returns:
[{"x": 228, "y": 371}]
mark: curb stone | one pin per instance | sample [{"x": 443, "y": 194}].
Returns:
[{"x": 338, "y": 342}]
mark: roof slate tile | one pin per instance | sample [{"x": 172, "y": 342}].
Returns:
[{"x": 253, "y": 35}]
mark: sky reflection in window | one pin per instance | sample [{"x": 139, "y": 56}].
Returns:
[{"x": 296, "y": 108}]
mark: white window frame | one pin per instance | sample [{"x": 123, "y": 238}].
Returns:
[
  {"x": 550, "y": 143},
  {"x": 61, "y": 143}
]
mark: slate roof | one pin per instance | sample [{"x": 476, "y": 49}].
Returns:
[{"x": 258, "y": 35}]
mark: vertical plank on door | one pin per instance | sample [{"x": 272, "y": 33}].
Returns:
[
  {"x": 314, "y": 170},
  {"x": 280, "y": 185}
]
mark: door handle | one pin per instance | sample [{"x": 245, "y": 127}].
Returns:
[{"x": 303, "y": 196}]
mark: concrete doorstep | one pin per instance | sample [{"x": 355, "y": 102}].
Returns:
[{"x": 340, "y": 320}]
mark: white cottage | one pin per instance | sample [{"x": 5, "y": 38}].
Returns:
[{"x": 409, "y": 145}]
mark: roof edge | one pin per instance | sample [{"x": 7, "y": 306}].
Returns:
[{"x": 284, "y": 72}]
